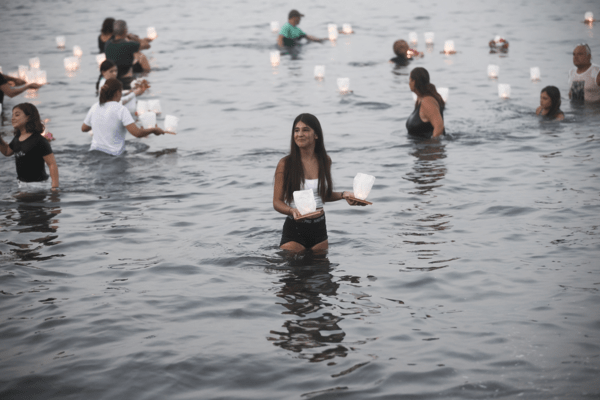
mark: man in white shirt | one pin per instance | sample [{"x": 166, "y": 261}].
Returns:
[{"x": 584, "y": 80}]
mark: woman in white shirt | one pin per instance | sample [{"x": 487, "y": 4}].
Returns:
[{"x": 111, "y": 121}]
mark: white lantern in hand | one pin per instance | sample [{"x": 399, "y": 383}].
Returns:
[
  {"x": 60, "y": 42},
  {"x": 275, "y": 58},
  {"x": 319, "y": 72},
  {"x": 347, "y": 29},
  {"x": 305, "y": 201},
  {"x": 443, "y": 91},
  {"x": 171, "y": 123},
  {"x": 343, "y": 85},
  {"x": 23, "y": 69},
  {"x": 148, "y": 119},
  {"x": 154, "y": 105},
  {"x": 534, "y": 72},
  {"x": 100, "y": 58},
  {"x": 151, "y": 33},
  {"x": 493, "y": 71},
  {"x": 332, "y": 29},
  {"x": 362, "y": 185},
  {"x": 34, "y": 62},
  {"x": 141, "y": 107},
  {"x": 41, "y": 78},
  {"x": 274, "y": 26},
  {"x": 71, "y": 63},
  {"x": 413, "y": 38},
  {"x": 504, "y": 90},
  {"x": 429, "y": 37},
  {"x": 77, "y": 52}
]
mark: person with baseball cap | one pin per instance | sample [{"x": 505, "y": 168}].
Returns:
[{"x": 290, "y": 34}]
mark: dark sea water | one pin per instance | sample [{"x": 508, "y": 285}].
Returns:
[{"x": 157, "y": 275}]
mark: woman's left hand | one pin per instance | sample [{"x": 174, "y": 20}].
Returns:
[{"x": 346, "y": 196}]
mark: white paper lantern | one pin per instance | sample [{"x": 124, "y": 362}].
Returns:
[
  {"x": 14, "y": 74},
  {"x": 443, "y": 91},
  {"x": 148, "y": 120},
  {"x": 413, "y": 38},
  {"x": 30, "y": 76},
  {"x": 429, "y": 37},
  {"x": 534, "y": 72},
  {"x": 60, "y": 42},
  {"x": 41, "y": 77},
  {"x": 497, "y": 39},
  {"x": 414, "y": 96},
  {"x": 100, "y": 58},
  {"x": 71, "y": 63},
  {"x": 275, "y": 58},
  {"x": 504, "y": 90},
  {"x": 171, "y": 123},
  {"x": 305, "y": 201},
  {"x": 154, "y": 105},
  {"x": 449, "y": 47},
  {"x": 333, "y": 31},
  {"x": 347, "y": 29},
  {"x": 275, "y": 27},
  {"x": 141, "y": 107},
  {"x": 589, "y": 16},
  {"x": 34, "y": 62},
  {"x": 151, "y": 33},
  {"x": 362, "y": 185},
  {"x": 493, "y": 71},
  {"x": 77, "y": 52},
  {"x": 319, "y": 71},
  {"x": 23, "y": 69},
  {"x": 343, "y": 85}
]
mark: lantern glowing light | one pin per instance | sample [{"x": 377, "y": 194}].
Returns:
[
  {"x": 100, "y": 58},
  {"x": 449, "y": 47},
  {"x": 148, "y": 119},
  {"x": 275, "y": 58},
  {"x": 23, "y": 69},
  {"x": 319, "y": 72},
  {"x": 429, "y": 37},
  {"x": 493, "y": 71},
  {"x": 274, "y": 26},
  {"x": 41, "y": 77},
  {"x": 534, "y": 73},
  {"x": 171, "y": 123},
  {"x": 34, "y": 62},
  {"x": 305, "y": 202},
  {"x": 347, "y": 29},
  {"x": 60, "y": 42},
  {"x": 71, "y": 63},
  {"x": 589, "y": 17},
  {"x": 141, "y": 107},
  {"x": 362, "y": 185},
  {"x": 413, "y": 38},
  {"x": 343, "y": 85},
  {"x": 151, "y": 33},
  {"x": 332, "y": 29},
  {"x": 504, "y": 90},
  {"x": 154, "y": 106},
  {"x": 77, "y": 52}
]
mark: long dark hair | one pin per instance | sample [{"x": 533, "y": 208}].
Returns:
[
  {"x": 554, "y": 94},
  {"x": 105, "y": 66},
  {"x": 293, "y": 172},
  {"x": 107, "y": 26},
  {"x": 425, "y": 88},
  {"x": 108, "y": 90},
  {"x": 34, "y": 123}
]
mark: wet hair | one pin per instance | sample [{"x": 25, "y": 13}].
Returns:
[
  {"x": 119, "y": 27},
  {"x": 108, "y": 90},
  {"x": 107, "y": 26},
  {"x": 398, "y": 46},
  {"x": 34, "y": 123},
  {"x": 554, "y": 94},
  {"x": 293, "y": 172},
  {"x": 425, "y": 88},
  {"x": 105, "y": 66}
]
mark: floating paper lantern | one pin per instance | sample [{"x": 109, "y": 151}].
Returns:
[
  {"x": 60, "y": 42},
  {"x": 41, "y": 77},
  {"x": 443, "y": 91},
  {"x": 305, "y": 201},
  {"x": 34, "y": 62},
  {"x": 343, "y": 85},
  {"x": 100, "y": 58},
  {"x": 347, "y": 29},
  {"x": 77, "y": 52},
  {"x": 171, "y": 123},
  {"x": 589, "y": 17},
  {"x": 274, "y": 26},
  {"x": 429, "y": 37},
  {"x": 413, "y": 38},
  {"x": 534, "y": 72},
  {"x": 504, "y": 90},
  {"x": 333, "y": 31},
  {"x": 23, "y": 69},
  {"x": 319, "y": 71},
  {"x": 362, "y": 185},
  {"x": 154, "y": 105},
  {"x": 414, "y": 96},
  {"x": 148, "y": 119},
  {"x": 71, "y": 63},
  {"x": 151, "y": 33},
  {"x": 449, "y": 47},
  {"x": 141, "y": 107},
  {"x": 275, "y": 58},
  {"x": 493, "y": 71}
]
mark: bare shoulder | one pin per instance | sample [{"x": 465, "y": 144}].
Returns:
[
  {"x": 281, "y": 165},
  {"x": 429, "y": 101}
]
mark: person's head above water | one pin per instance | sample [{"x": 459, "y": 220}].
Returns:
[
  {"x": 107, "y": 26},
  {"x": 400, "y": 48},
  {"x": 108, "y": 69},
  {"x": 27, "y": 117},
  {"x": 420, "y": 84},
  {"x": 550, "y": 100},
  {"x": 294, "y": 17},
  {"x": 582, "y": 56},
  {"x": 120, "y": 28},
  {"x": 109, "y": 91}
]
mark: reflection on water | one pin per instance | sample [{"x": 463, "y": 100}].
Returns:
[{"x": 315, "y": 334}]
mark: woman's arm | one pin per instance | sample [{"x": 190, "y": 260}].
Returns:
[
  {"x": 280, "y": 41},
  {"x": 143, "y": 132},
  {"x": 431, "y": 111},
  {"x": 5, "y": 148},
  {"x": 12, "y": 92},
  {"x": 314, "y": 39},
  {"x": 53, "y": 168},
  {"x": 278, "y": 203},
  {"x": 85, "y": 128}
]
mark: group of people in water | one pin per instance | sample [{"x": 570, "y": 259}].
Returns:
[{"x": 307, "y": 166}]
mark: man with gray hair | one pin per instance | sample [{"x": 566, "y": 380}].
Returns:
[
  {"x": 584, "y": 80},
  {"x": 121, "y": 49}
]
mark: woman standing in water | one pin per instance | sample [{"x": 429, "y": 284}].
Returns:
[
  {"x": 30, "y": 148},
  {"x": 306, "y": 167},
  {"x": 427, "y": 119},
  {"x": 550, "y": 104}
]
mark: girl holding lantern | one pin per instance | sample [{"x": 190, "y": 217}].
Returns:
[{"x": 306, "y": 167}]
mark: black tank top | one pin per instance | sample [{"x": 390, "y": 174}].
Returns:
[{"x": 417, "y": 127}]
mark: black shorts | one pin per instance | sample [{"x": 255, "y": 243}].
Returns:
[{"x": 307, "y": 232}]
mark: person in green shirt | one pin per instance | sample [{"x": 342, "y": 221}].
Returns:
[{"x": 290, "y": 34}]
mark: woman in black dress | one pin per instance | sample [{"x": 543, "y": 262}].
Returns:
[{"x": 427, "y": 119}]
